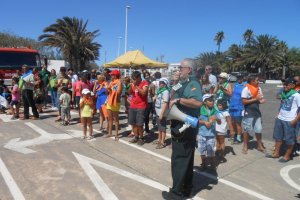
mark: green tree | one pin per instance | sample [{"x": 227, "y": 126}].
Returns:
[
  {"x": 248, "y": 36},
  {"x": 219, "y": 38},
  {"x": 71, "y": 37},
  {"x": 261, "y": 53}
]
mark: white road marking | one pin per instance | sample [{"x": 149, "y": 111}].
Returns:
[
  {"x": 6, "y": 118},
  {"x": 229, "y": 183},
  {"x": 284, "y": 173},
  {"x": 12, "y": 186},
  {"x": 21, "y": 146},
  {"x": 105, "y": 192}
]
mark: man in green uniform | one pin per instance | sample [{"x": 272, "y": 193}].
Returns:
[{"x": 188, "y": 98}]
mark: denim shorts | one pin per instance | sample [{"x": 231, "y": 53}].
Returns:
[
  {"x": 206, "y": 145},
  {"x": 283, "y": 130},
  {"x": 250, "y": 124},
  {"x": 162, "y": 124},
  {"x": 136, "y": 116}
]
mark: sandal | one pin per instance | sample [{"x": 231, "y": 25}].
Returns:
[
  {"x": 156, "y": 142},
  {"x": 160, "y": 146},
  {"x": 116, "y": 138},
  {"x": 244, "y": 151},
  {"x": 272, "y": 156},
  {"x": 90, "y": 137},
  {"x": 131, "y": 134}
]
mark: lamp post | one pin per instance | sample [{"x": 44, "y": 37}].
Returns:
[
  {"x": 126, "y": 26},
  {"x": 119, "y": 43}
]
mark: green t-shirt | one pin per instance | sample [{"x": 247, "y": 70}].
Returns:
[{"x": 190, "y": 90}]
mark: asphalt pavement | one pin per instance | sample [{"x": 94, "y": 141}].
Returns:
[{"x": 40, "y": 159}]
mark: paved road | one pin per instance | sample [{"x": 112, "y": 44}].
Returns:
[{"x": 43, "y": 160}]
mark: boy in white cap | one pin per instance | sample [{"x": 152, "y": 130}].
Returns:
[{"x": 206, "y": 132}]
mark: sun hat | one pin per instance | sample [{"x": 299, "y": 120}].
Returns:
[
  {"x": 207, "y": 96},
  {"x": 86, "y": 91},
  {"x": 165, "y": 80},
  {"x": 223, "y": 75}
]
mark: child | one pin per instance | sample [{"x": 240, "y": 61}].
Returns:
[
  {"x": 285, "y": 123},
  {"x": 224, "y": 121},
  {"x": 15, "y": 101},
  {"x": 162, "y": 98},
  {"x": 65, "y": 100},
  {"x": 101, "y": 96},
  {"x": 86, "y": 108},
  {"x": 206, "y": 132}
]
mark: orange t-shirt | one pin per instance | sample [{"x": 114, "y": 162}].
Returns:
[{"x": 113, "y": 97}]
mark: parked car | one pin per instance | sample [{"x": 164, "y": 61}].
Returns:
[{"x": 234, "y": 76}]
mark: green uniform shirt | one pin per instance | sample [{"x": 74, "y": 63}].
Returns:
[{"x": 190, "y": 90}]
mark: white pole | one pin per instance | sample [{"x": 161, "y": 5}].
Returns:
[
  {"x": 119, "y": 44},
  {"x": 126, "y": 26}
]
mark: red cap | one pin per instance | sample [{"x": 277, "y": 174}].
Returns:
[{"x": 115, "y": 72}]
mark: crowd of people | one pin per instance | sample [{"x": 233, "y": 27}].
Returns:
[{"x": 223, "y": 110}]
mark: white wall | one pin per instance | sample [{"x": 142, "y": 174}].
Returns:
[{"x": 56, "y": 64}]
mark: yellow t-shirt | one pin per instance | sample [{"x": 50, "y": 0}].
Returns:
[{"x": 86, "y": 111}]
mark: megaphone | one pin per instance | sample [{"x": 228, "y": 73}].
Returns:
[{"x": 176, "y": 114}]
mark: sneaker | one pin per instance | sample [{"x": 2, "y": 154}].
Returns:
[
  {"x": 134, "y": 140},
  {"x": 140, "y": 142}
]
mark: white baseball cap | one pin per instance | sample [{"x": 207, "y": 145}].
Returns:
[
  {"x": 207, "y": 96},
  {"x": 165, "y": 80}
]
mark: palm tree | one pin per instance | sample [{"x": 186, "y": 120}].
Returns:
[
  {"x": 219, "y": 38},
  {"x": 71, "y": 37},
  {"x": 233, "y": 56},
  {"x": 262, "y": 53},
  {"x": 248, "y": 36}
]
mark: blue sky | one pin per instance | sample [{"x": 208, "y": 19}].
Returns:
[{"x": 173, "y": 28}]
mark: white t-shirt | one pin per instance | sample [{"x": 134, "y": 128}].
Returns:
[
  {"x": 246, "y": 94},
  {"x": 289, "y": 108},
  {"x": 222, "y": 128},
  {"x": 160, "y": 100},
  {"x": 212, "y": 79},
  {"x": 66, "y": 99}
]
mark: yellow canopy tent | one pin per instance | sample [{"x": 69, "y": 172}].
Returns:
[{"x": 134, "y": 60}]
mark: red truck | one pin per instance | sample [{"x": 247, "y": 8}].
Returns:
[{"x": 12, "y": 59}]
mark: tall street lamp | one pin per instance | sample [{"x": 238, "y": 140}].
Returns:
[
  {"x": 127, "y": 8},
  {"x": 119, "y": 44}
]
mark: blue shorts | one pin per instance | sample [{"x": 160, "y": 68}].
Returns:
[
  {"x": 283, "y": 130},
  {"x": 237, "y": 119},
  {"x": 14, "y": 103},
  {"x": 206, "y": 145},
  {"x": 250, "y": 124}
]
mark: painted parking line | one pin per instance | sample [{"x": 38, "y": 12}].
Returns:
[
  {"x": 226, "y": 182},
  {"x": 284, "y": 173},
  {"x": 86, "y": 164},
  {"x": 10, "y": 182}
]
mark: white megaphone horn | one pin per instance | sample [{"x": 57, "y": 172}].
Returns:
[{"x": 176, "y": 114}]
